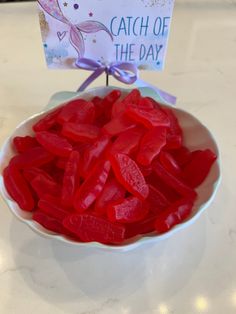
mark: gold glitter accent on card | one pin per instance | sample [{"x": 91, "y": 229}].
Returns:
[
  {"x": 156, "y": 3},
  {"x": 44, "y": 25},
  {"x": 69, "y": 62}
]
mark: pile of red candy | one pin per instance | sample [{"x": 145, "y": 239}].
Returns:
[{"x": 107, "y": 169}]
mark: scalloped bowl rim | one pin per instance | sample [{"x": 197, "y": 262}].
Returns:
[{"x": 136, "y": 241}]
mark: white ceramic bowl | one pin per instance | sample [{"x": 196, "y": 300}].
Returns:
[{"x": 196, "y": 136}]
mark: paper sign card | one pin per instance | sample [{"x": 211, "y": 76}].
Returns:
[{"x": 134, "y": 31}]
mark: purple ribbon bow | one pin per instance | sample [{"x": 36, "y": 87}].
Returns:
[{"x": 122, "y": 71}]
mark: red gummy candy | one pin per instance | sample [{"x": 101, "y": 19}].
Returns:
[
  {"x": 173, "y": 215},
  {"x": 61, "y": 163},
  {"x": 96, "y": 101},
  {"x": 93, "y": 153},
  {"x": 154, "y": 103},
  {"x": 71, "y": 178},
  {"x": 47, "y": 122},
  {"x": 170, "y": 194},
  {"x": 169, "y": 163},
  {"x": 173, "y": 141},
  {"x": 34, "y": 157},
  {"x": 173, "y": 182},
  {"x": 118, "y": 125},
  {"x": 112, "y": 97},
  {"x": 132, "y": 98},
  {"x": 51, "y": 208},
  {"x": 88, "y": 192},
  {"x": 198, "y": 168},
  {"x": 117, "y": 109},
  {"x": 31, "y": 173},
  {"x": 174, "y": 137},
  {"x": 108, "y": 101},
  {"x": 57, "y": 174},
  {"x": 146, "y": 170},
  {"x": 54, "y": 143},
  {"x": 77, "y": 110},
  {"x": 127, "y": 210},
  {"x": 91, "y": 228},
  {"x": 148, "y": 117},
  {"x": 99, "y": 110},
  {"x": 151, "y": 144},
  {"x": 165, "y": 222},
  {"x": 43, "y": 185},
  {"x": 181, "y": 155},
  {"x": 120, "y": 160},
  {"x": 128, "y": 141},
  {"x": 111, "y": 192},
  {"x": 156, "y": 200},
  {"x": 18, "y": 188},
  {"x": 82, "y": 147},
  {"x": 145, "y": 103},
  {"x": 80, "y": 132},
  {"x": 129, "y": 175},
  {"x": 48, "y": 222},
  {"x": 23, "y": 143},
  {"x": 147, "y": 225}
]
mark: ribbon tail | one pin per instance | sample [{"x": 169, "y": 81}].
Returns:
[
  {"x": 164, "y": 96},
  {"x": 90, "y": 79}
]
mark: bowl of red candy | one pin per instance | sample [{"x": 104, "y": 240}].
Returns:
[{"x": 109, "y": 168}]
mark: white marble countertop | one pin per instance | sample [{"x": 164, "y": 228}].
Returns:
[{"x": 192, "y": 272}]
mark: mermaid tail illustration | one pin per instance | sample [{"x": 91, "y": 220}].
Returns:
[
  {"x": 93, "y": 27},
  {"x": 76, "y": 37},
  {"x": 77, "y": 41}
]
